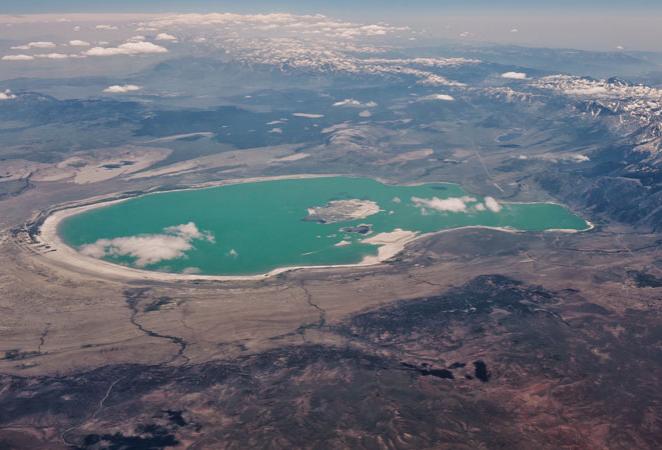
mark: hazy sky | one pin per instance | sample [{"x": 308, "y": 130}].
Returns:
[
  {"x": 346, "y": 6},
  {"x": 581, "y": 24}
]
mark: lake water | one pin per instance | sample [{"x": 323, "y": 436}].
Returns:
[{"x": 253, "y": 228}]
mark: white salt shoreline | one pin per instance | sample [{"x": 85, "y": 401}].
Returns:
[{"x": 389, "y": 243}]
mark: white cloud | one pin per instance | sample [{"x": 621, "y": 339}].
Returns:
[
  {"x": 31, "y": 45},
  {"x": 492, "y": 204},
  {"x": 7, "y": 95},
  {"x": 276, "y": 131},
  {"x": 299, "y": 24},
  {"x": 365, "y": 114},
  {"x": 514, "y": 30},
  {"x": 106, "y": 27},
  {"x": 17, "y": 58},
  {"x": 308, "y": 116},
  {"x": 348, "y": 102},
  {"x": 456, "y": 204},
  {"x": 442, "y": 97},
  {"x": 128, "y": 48},
  {"x": 352, "y": 103},
  {"x": 121, "y": 89},
  {"x": 165, "y": 37},
  {"x": 54, "y": 56},
  {"x": 452, "y": 204},
  {"x": 555, "y": 158},
  {"x": 79, "y": 43},
  {"x": 514, "y": 75},
  {"x": 146, "y": 249}
]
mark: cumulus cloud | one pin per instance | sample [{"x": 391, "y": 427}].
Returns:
[
  {"x": 121, "y": 89},
  {"x": 308, "y": 115},
  {"x": 452, "y": 204},
  {"x": 441, "y": 97},
  {"x": 352, "y": 103},
  {"x": 31, "y": 45},
  {"x": 514, "y": 75},
  {"x": 17, "y": 58},
  {"x": 165, "y": 37},
  {"x": 365, "y": 114},
  {"x": 300, "y": 24},
  {"x": 146, "y": 249},
  {"x": 106, "y": 27},
  {"x": 55, "y": 56},
  {"x": 555, "y": 158},
  {"x": 52, "y": 55},
  {"x": 463, "y": 204},
  {"x": 79, "y": 43},
  {"x": 492, "y": 204},
  {"x": 7, "y": 95},
  {"x": 128, "y": 48}
]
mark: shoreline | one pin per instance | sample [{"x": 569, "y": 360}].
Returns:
[{"x": 389, "y": 244}]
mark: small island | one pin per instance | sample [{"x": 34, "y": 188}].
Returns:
[{"x": 342, "y": 211}]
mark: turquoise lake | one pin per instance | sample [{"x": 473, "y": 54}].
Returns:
[{"x": 253, "y": 228}]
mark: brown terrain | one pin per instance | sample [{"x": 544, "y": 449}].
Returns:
[{"x": 468, "y": 339}]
